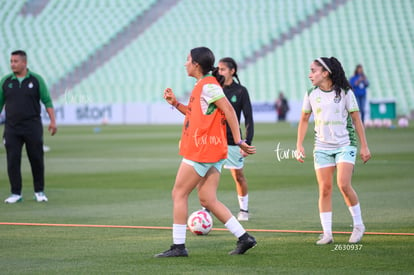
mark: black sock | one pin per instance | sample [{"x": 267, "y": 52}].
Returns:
[{"x": 179, "y": 246}]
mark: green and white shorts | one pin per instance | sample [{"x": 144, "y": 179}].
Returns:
[
  {"x": 329, "y": 158},
  {"x": 234, "y": 160},
  {"x": 202, "y": 167}
]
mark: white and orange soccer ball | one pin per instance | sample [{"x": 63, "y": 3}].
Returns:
[
  {"x": 377, "y": 123},
  {"x": 200, "y": 222},
  {"x": 387, "y": 123},
  {"x": 368, "y": 123},
  {"x": 403, "y": 122}
]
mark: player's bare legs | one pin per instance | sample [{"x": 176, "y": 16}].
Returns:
[
  {"x": 240, "y": 180},
  {"x": 324, "y": 177},
  {"x": 242, "y": 193},
  {"x": 207, "y": 190},
  {"x": 325, "y": 182},
  {"x": 344, "y": 177},
  {"x": 185, "y": 181}
]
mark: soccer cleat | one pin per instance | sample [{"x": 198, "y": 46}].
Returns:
[
  {"x": 243, "y": 244},
  {"x": 174, "y": 251},
  {"x": 243, "y": 215},
  {"x": 357, "y": 234},
  {"x": 325, "y": 239},
  {"x": 13, "y": 198},
  {"x": 40, "y": 196}
]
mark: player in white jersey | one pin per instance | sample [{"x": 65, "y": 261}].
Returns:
[{"x": 337, "y": 117}]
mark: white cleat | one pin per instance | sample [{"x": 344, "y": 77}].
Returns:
[
  {"x": 357, "y": 234},
  {"x": 40, "y": 197},
  {"x": 13, "y": 198},
  {"x": 243, "y": 216},
  {"x": 325, "y": 239}
]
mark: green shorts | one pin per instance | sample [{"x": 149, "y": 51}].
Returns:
[
  {"x": 202, "y": 167},
  {"x": 234, "y": 160},
  {"x": 328, "y": 158}
]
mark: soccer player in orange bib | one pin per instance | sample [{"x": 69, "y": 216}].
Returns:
[{"x": 204, "y": 148}]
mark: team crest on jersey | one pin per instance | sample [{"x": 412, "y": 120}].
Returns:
[
  {"x": 337, "y": 99},
  {"x": 30, "y": 85},
  {"x": 234, "y": 99},
  {"x": 10, "y": 85}
]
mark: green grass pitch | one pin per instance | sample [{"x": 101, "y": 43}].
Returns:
[{"x": 123, "y": 175}]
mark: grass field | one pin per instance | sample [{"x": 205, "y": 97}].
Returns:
[{"x": 123, "y": 175}]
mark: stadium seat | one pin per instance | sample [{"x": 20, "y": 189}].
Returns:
[{"x": 67, "y": 33}]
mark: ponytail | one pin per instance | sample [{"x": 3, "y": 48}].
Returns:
[
  {"x": 219, "y": 77},
  {"x": 336, "y": 73}
]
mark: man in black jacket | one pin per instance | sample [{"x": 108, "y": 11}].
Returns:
[{"x": 21, "y": 93}]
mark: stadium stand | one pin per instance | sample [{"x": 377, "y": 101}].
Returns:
[{"x": 129, "y": 51}]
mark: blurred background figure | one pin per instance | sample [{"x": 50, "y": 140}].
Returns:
[
  {"x": 282, "y": 107},
  {"x": 359, "y": 83}
]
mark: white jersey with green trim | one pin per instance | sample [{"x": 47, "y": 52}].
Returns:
[
  {"x": 209, "y": 94},
  {"x": 333, "y": 123}
]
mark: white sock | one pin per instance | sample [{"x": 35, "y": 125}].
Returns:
[
  {"x": 179, "y": 232},
  {"x": 244, "y": 202},
  {"x": 356, "y": 214},
  {"x": 235, "y": 227},
  {"x": 326, "y": 221}
]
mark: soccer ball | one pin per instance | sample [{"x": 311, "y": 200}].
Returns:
[
  {"x": 387, "y": 123},
  {"x": 368, "y": 123},
  {"x": 403, "y": 122},
  {"x": 200, "y": 222},
  {"x": 377, "y": 123}
]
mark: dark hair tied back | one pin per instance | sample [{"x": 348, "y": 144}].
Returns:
[
  {"x": 337, "y": 76},
  {"x": 219, "y": 77},
  {"x": 204, "y": 57}
]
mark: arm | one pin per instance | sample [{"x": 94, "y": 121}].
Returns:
[
  {"x": 353, "y": 81},
  {"x": 1, "y": 99},
  {"x": 366, "y": 82},
  {"x": 248, "y": 117},
  {"x": 169, "y": 96},
  {"x": 2, "y": 94},
  {"x": 302, "y": 129},
  {"x": 47, "y": 101},
  {"x": 52, "y": 126},
  {"x": 224, "y": 105},
  {"x": 359, "y": 127}
]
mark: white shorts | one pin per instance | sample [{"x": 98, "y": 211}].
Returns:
[{"x": 235, "y": 159}]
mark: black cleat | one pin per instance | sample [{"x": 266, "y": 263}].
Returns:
[
  {"x": 174, "y": 251},
  {"x": 244, "y": 243}
]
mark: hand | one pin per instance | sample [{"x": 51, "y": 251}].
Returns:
[
  {"x": 169, "y": 96},
  {"x": 300, "y": 154},
  {"x": 248, "y": 149},
  {"x": 52, "y": 128},
  {"x": 365, "y": 154},
  {"x": 243, "y": 153}
]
